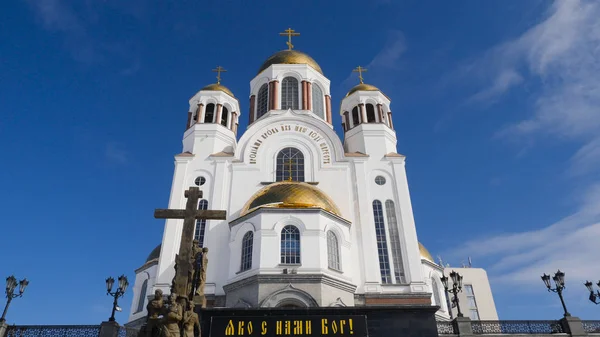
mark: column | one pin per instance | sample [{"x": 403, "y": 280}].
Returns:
[
  {"x": 328, "y": 108},
  {"x": 363, "y": 113},
  {"x": 304, "y": 96},
  {"x": 380, "y": 112},
  {"x": 200, "y": 114},
  {"x": 271, "y": 93},
  {"x": 391, "y": 124},
  {"x": 309, "y": 95},
  {"x": 252, "y": 103},
  {"x": 347, "y": 119},
  {"x": 276, "y": 104},
  {"x": 219, "y": 113},
  {"x": 231, "y": 121},
  {"x": 189, "y": 120}
]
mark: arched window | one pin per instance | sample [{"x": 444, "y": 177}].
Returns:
[
  {"x": 370, "y": 113},
  {"x": 392, "y": 223},
  {"x": 290, "y": 165},
  {"x": 290, "y": 245},
  {"x": 224, "y": 116},
  {"x": 382, "y": 250},
  {"x": 142, "y": 299},
  {"x": 333, "y": 251},
  {"x": 355, "y": 118},
  {"x": 436, "y": 292},
  {"x": 247, "y": 243},
  {"x": 201, "y": 224},
  {"x": 289, "y": 93},
  {"x": 262, "y": 101},
  {"x": 209, "y": 113},
  {"x": 317, "y": 97}
]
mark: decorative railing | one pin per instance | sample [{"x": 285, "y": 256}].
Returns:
[
  {"x": 53, "y": 331},
  {"x": 128, "y": 332},
  {"x": 591, "y": 326},
  {"x": 446, "y": 328},
  {"x": 516, "y": 327}
]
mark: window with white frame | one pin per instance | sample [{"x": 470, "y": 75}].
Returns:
[
  {"x": 209, "y": 113},
  {"x": 224, "y": 116},
  {"x": 142, "y": 299},
  {"x": 290, "y": 245},
  {"x": 247, "y": 244},
  {"x": 471, "y": 303},
  {"x": 290, "y": 165},
  {"x": 262, "y": 101},
  {"x": 381, "y": 238},
  {"x": 392, "y": 225},
  {"x": 436, "y": 292},
  {"x": 333, "y": 251},
  {"x": 289, "y": 93},
  {"x": 317, "y": 101},
  {"x": 201, "y": 224}
]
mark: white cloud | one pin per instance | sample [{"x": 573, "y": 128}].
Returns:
[{"x": 560, "y": 58}]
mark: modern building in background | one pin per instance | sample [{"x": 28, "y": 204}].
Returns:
[
  {"x": 313, "y": 220},
  {"x": 476, "y": 299}
]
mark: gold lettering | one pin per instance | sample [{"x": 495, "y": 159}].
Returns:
[
  {"x": 288, "y": 327},
  {"x": 334, "y": 327},
  {"x": 350, "y": 326},
  {"x": 278, "y": 328},
  {"x": 297, "y": 327},
  {"x": 324, "y": 329},
  {"x": 263, "y": 327},
  {"x": 342, "y": 323},
  {"x": 229, "y": 330},
  {"x": 250, "y": 329},
  {"x": 240, "y": 328},
  {"x": 308, "y": 327}
]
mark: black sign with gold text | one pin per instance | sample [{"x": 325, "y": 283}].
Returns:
[{"x": 300, "y": 326}]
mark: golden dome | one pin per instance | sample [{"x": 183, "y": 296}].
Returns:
[
  {"x": 290, "y": 57},
  {"x": 425, "y": 253},
  {"x": 218, "y": 87},
  {"x": 290, "y": 194},
  {"x": 362, "y": 87}
]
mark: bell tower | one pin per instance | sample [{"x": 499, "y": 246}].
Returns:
[
  {"x": 367, "y": 120},
  {"x": 213, "y": 119}
]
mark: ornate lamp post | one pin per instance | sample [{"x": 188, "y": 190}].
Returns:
[
  {"x": 11, "y": 285},
  {"x": 593, "y": 297},
  {"x": 559, "y": 280},
  {"x": 123, "y": 283},
  {"x": 457, "y": 280}
]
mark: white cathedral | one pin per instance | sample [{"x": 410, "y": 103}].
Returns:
[{"x": 312, "y": 220}]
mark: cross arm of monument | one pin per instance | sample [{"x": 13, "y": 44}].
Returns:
[{"x": 181, "y": 214}]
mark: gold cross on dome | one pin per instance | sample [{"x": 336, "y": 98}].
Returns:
[
  {"x": 219, "y": 70},
  {"x": 359, "y": 70},
  {"x": 289, "y": 32},
  {"x": 290, "y": 163}
]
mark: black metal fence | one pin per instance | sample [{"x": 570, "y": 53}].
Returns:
[
  {"x": 446, "y": 328},
  {"x": 516, "y": 327},
  {"x": 53, "y": 331},
  {"x": 128, "y": 332},
  {"x": 591, "y": 326}
]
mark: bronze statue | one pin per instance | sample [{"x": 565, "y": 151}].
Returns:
[
  {"x": 202, "y": 272},
  {"x": 173, "y": 316},
  {"x": 155, "y": 306},
  {"x": 190, "y": 321}
]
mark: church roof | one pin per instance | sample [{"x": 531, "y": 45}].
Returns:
[
  {"x": 290, "y": 194},
  {"x": 290, "y": 57},
  {"x": 218, "y": 87},
  {"x": 362, "y": 87},
  {"x": 154, "y": 254},
  {"x": 425, "y": 253}
]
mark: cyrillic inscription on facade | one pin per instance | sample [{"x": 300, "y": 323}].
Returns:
[{"x": 291, "y": 128}]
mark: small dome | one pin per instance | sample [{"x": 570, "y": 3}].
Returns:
[
  {"x": 290, "y": 194},
  {"x": 362, "y": 87},
  {"x": 290, "y": 57},
  {"x": 425, "y": 253},
  {"x": 218, "y": 87},
  {"x": 154, "y": 254}
]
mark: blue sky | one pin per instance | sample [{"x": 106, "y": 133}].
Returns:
[{"x": 496, "y": 106}]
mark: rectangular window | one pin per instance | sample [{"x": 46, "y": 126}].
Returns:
[{"x": 471, "y": 303}]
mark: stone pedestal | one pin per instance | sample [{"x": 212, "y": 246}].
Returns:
[
  {"x": 109, "y": 329},
  {"x": 3, "y": 329},
  {"x": 463, "y": 326},
  {"x": 573, "y": 326},
  {"x": 200, "y": 301}
]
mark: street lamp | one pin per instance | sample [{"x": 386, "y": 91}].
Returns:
[
  {"x": 11, "y": 285},
  {"x": 559, "y": 280},
  {"x": 123, "y": 283},
  {"x": 590, "y": 287},
  {"x": 457, "y": 280}
]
